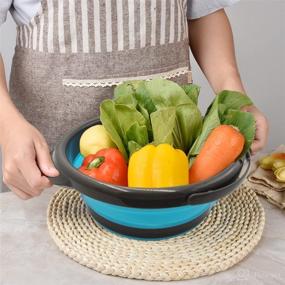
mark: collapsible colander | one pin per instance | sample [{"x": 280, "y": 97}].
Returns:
[{"x": 141, "y": 212}]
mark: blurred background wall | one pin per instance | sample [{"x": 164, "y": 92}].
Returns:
[{"x": 259, "y": 31}]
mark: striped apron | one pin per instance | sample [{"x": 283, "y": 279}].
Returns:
[{"x": 72, "y": 54}]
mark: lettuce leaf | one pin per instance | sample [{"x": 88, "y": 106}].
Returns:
[
  {"x": 133, "y": 147},
  {"x": 137, "y": 133},
  {"x": 210, "y": 122},
  {"x": 124, "y": 123},
  {"x": 192, "y": 91},
  {"x": 188, "y": 126},
  {"x": 163, "y": 124},
  {"x": 188, "y": 120},
  {"x": 216, "y": 114},
  {"x": 133, "y": 93},
  {"x": 233, "y": 99},
  {"x": 165, "y": 93},
  {"x": 171, "y": 114},
  {"x": 112, "y": 125}
]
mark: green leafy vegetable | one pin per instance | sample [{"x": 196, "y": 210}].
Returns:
[
  {"x": 224, "y": 101},
  {"x": 188, "y": 125},
  {"x": 133, "y": 147},
  {"x": 128, "y": 99},
  {"x": 160, "y": 111},
  {"x": 233, "y": 99},
  {"x": 138, "y": 134},
  {"x": 128, "y": 115},
  {"x": 188, "y": 119},
  {"x": 211, "y": 121},
  {"x": 112, "y": 125},
  {"x": 124, "y": 123},
  {"x": 192, "y": 91},
  {"x": 176, "y": 125},
  {"x": 163, "y": 123},
  {"x": 133, "y": 93},
  {"x": 165, "y": 93},
  {"x": 123, "y": 90},
  {"x": 170, "y": 114},
  {"x": 142, "y": 96}
]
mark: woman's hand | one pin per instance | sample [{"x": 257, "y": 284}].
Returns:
[
  {"x": 261, "y": 134},
  {"x": 26, "y": 159}
]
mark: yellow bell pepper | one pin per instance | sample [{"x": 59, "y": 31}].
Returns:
[{"x": 158, "y": 166}]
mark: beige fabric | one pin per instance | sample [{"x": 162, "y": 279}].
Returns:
[
  {"x": 230, "y": 232},
  {"x": 274, "y": 197},
  {"x": 264, "y": 184},
  {"x": 267, "y": 179}
]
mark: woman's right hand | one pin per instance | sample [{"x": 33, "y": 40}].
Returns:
[{"x": 26, "y": 159}]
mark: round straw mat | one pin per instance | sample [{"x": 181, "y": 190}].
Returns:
[{"x": 230, "y": 232}]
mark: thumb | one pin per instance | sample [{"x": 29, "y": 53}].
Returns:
[{"x": 44, "y": 160}]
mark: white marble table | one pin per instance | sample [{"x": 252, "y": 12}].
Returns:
[{"x": 29, "y": 256}]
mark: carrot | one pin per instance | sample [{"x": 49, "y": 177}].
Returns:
[{"x": 221, "y": 148}]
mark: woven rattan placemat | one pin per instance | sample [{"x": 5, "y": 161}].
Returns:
[{"x": 224, "y": 238}]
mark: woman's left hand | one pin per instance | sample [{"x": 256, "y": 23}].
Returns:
[{"x": 261, "y": 134}]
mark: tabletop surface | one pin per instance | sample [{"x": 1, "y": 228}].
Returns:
[{"x": 29, "y": 256}]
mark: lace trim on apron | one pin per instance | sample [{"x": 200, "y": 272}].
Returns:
[{"x": 116, "y": 81}]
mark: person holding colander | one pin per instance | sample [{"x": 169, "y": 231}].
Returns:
[{"x": 69, "y": 54}]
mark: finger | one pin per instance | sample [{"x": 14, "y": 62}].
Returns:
[
  {"x": 13, "y": 176},
  {"x": 21, "y": 194},
  {"x": 18, "y": 181},
  {"x": 256, "y": 146},
  {"x": 260, "y": 140},
  {"x": 44, "y": 160},
  {"x": 33, "y": 175}
]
